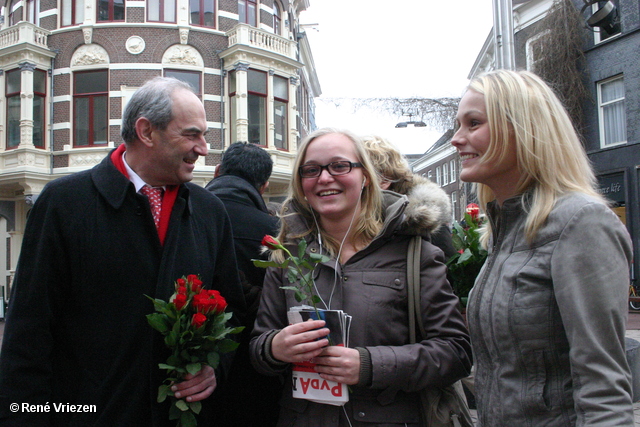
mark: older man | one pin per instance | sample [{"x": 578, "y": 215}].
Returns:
[{"x": 96, "y": 243}]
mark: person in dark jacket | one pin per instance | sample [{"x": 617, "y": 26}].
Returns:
[
  {"x": 424, "y": 195},
  {"x": 76, "y": 334},
  {"x": 248, "y": 398}
]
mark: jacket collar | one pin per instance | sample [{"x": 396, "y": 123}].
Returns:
[
  {"x": 235, "y": 187},
  {"x": 114, "y": 186}
]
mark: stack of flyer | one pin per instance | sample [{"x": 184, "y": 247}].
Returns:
[{"x": 307, "y": 383}]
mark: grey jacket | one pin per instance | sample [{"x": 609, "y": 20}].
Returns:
[
  {"x": 371, "y": 287},
  {"x": 548, "y": 320}
]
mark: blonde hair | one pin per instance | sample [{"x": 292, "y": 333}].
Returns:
[
  {"x": 366, "y": 226},
  {"x": 390, "y": 165},
  {"x": 523, "y": 110}
]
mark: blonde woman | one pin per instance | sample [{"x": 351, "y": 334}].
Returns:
[
  {"x": 427, "y": 201},
  {"x": 336, "y": 204},
  {"x": 548, "y": 312}
]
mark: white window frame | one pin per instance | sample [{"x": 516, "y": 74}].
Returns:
[
  {"x": 452, "y": 171},
  {"x": 438, "y": 180},
  {"x": 529, "y": 49},
  {"x": 430, "y": 174},
  {"x": 445, "y": 174},
  {"x": 601, "y": 113},
  {"x": 454, "y": 205}
]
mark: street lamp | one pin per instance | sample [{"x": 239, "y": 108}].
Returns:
[{"x": 414, "y": 123}]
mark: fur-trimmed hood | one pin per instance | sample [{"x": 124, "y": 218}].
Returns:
[{"x": 428, "y": 209}]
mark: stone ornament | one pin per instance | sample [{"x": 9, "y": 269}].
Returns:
[{"x": 135, "y": 45}]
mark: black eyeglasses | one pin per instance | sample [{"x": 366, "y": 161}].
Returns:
[{"x": 342, "y": 167}]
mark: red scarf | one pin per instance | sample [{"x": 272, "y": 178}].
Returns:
[{"x": 168, "y": 199}]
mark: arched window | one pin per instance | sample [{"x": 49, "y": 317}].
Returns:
[{"x": 277, "y": 18}]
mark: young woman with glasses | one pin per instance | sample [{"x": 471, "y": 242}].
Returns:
[{"x": 336, "y": 205}]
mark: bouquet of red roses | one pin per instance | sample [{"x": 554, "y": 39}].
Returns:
[{"x": 194, "y": 325}]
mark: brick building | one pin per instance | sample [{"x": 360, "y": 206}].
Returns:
[{"x": 68, "y": 67}]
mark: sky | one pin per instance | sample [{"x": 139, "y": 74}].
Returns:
[{"x": 395, "y": 49}]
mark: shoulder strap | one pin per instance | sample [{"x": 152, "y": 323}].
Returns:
[{"x": 413, "y": 288}]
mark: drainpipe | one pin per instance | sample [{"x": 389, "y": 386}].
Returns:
[{"x": 56, "y": 51}]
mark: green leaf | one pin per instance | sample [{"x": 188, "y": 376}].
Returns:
[
  {"x": 196, "y": 407},
  {"x": 165, "y": 366},
  {"x": 300, "y": 296},
  {"x": 318, "y": 258},
  {"x": 158, "y": 322},
  {"x": 213, "y": 359},
  {"x": 227, "y": 345},
  {"x": 264, "y": 263},
  {"x": 163, "y": 391},
  {"x": 465, "y": 256},
  {"x": 289, "y": 288},
  {"x": 187, "y": 419},
  {"x": 315, "y": 299},
  {"x": 194, "y": 368},
  {"x": 292, "y": 274},
  {"x": 182, "y": 405},
  {"x": 302, "y": 248}
]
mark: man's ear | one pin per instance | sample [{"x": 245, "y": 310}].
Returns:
[
  {"x": 144, "y": 130},
  {"x": 264, "y": 187}
]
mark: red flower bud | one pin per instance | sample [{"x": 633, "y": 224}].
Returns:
[
  {"x": 198, "y": 320},
  {"x": 179, "y": 301},
  {"x": 196, "y": 284},
  {"x": 473, "y": 210},
  {"x": 271, "y": 242}
]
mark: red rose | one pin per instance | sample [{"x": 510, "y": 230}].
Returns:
[
  {"x": 198, "y": 320},
  {"x": 179, "y": 301},
  {"x": 473, "y": 210},
  {"x": 196, "y": 284},
  {"x": 180, "y": 282},
  {"x": 221, "y": 303},
  {"x": 271, "y": 242},
  {"x": 182, "y": 290}
]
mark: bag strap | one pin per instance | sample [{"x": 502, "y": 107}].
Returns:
[
  {"x": 413, "y": 288},
  {"x": 413, "y": 299}
]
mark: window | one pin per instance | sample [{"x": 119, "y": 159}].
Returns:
[
  {"x": 247, "y": 12},
  {"x": 445, "y": 174},
  {"x": 454, "y": 205},
  {"x": 452, "y": 170},
  {"x": 280, "y": 109},
  {"x": 13, "y": 87},
  {"x": 534, "y": 49},
  {"x": 13, "y": 107},
  {"x": 39, "y": 104},
  {"x": 438, "y": 177},
  {"x": 72, "y": 12},
  {"x": 612, "y": 112},
  {"x": 193, "y": 78},
  {"x": 257, "y": 106},
  {"x": 430, "y": 174},
  {"x": 161, "y": 10},
  {"x": 609, "y": 20},
  {"x": 90, "y": 96},
  {"x": 33, "y": 6},
  {"x": 203, "y": 12},
  {"x": 277, "y": 19},
  {"x": 110, "y": 10}
]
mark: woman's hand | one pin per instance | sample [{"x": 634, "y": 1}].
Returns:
[
  {"x": 300, "y": 342},
  {"x": 339, "y": 364},
  {"x": 196, "y": 387}
]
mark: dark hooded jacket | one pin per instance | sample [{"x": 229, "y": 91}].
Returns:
[{"x": 371, "y": 287}]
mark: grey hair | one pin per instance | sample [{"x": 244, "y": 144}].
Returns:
[{"x": 153, "y": 102}]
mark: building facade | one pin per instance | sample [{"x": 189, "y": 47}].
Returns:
[{"x": 68, "y": 67}]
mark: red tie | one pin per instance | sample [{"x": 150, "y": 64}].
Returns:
[{"x": 155, "y": 200}]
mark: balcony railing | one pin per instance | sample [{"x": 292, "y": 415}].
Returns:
[
  {"x": 251, "y": 36},
  {"x": 24, "y": 32}
]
